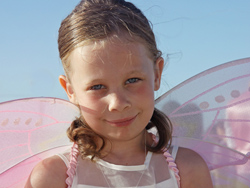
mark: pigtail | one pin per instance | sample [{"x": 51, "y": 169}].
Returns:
[
  {"x": 85, "y": 138},
  {"x": 164, "y": 128}
]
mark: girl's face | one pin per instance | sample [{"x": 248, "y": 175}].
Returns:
[{"x": 113, "y": 82}]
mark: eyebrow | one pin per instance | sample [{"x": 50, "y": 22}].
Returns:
[
  {"x": 94, "y": 81},
  {"x": 136, "y": 72},
  {"x": 131, "y": 73}
]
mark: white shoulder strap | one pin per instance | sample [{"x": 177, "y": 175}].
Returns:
[
  {"x": 65, "y": 160},
  {"x": 174, "y": 151}
]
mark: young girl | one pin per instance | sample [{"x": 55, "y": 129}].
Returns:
[{"x": 112, "y": 68}]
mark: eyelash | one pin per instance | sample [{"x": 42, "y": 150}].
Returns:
[
  {"x": 134, "y": 80},
  {"x": 100, "y": 86}
]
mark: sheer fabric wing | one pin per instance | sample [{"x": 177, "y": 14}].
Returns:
[
  {"x": 211, "y": 115},
  {"x": 31, "y": 130}
]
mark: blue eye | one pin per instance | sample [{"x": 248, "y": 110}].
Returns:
[
  {"x": 97, "y": 87},
  {"x": 132, "y": 80}
]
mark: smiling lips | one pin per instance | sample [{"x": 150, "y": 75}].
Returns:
[{"x": 122, "y": 122}]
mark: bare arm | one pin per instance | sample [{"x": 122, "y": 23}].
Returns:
[
  {"x": 193, "y": 170},
  {"x": 49, "y": 173}
]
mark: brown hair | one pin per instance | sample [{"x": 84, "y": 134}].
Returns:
[{"x": 95, "y": 20}]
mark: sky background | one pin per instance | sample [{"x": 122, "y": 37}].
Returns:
[{"x": 194, "y": 35}]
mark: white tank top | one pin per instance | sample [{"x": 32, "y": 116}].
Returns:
[{"x": 154, "y": 173}]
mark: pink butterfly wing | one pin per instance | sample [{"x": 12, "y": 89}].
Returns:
[
  {"x": 30, "y": 130},
  {"x": 203, "y": 110},
  {"x": 210, "y": 114}
]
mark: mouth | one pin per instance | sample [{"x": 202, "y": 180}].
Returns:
[{"x": 122, "y": 122}]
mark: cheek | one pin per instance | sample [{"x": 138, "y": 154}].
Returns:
[
  {"x": 144, "y": 96},
  {"x": 145, "y": 101},
  {"x": 91, "y": 106},
  {"x": 146, "y": 91},
  {"x": 92, "y": 114}
]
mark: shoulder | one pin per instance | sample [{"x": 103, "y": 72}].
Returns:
[
  {"x": 50, "y": 173},
  {"x": 193, "y": 169}
]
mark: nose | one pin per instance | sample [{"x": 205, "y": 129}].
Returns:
[{"x": 118, "y": 101}]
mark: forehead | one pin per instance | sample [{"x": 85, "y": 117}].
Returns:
[{"x": 109, "y": 52}]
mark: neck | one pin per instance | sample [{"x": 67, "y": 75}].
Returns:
[{"x": 128, "y": 152}]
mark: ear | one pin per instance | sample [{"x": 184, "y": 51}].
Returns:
[
  {"x": 67, "y": 86},
  {"x": 159, "y": 64}
]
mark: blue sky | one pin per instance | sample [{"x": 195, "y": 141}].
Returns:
[{"x": 193, "y": 35}]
